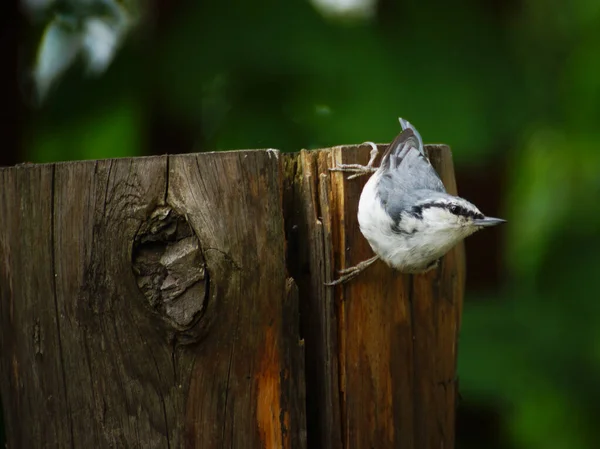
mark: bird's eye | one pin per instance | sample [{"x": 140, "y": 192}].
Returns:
[{"x": 454, "y": 209}]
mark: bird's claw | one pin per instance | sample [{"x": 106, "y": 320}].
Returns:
[
  {"x": 347, "y": 274},
  {"x": 357, "y": 169},
  {"x": 352, "y": 272}
]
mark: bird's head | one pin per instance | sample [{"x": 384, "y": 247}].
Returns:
[{"x": 453, "y": 214}]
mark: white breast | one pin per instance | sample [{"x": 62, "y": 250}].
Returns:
[
  {"x": 375, "y": 223},
  {"x": 408, "y": 252}
]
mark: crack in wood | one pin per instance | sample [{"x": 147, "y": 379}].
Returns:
[{"x": 55, "y": 295}]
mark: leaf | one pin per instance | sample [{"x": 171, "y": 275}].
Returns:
[
  {"x": 103, "y": 36},
  {"x": 58, "y": 49},
  {"x": 100, "y": 43}
]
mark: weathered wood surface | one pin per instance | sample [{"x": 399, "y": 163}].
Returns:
[
  {"x": 381, "y": 349},
  {"x": 169, "y": 302},
  {"x": 209, "y": 357}
]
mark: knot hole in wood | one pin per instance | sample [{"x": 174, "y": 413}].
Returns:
[{"x": 170, "y": 269}]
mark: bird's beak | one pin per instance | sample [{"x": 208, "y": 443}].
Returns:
[{"x": 488, "y": 221}]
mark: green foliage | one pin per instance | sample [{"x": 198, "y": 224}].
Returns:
[
  {"x": 536, "y": 349},
  {"x": 516, "y": 81},
  {"x": 92, "y": 30},
  {"x": 115, "y": 128}
]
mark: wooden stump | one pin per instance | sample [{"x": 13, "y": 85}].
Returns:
[
  {"x": 168, "y": 302},
  {"x": 381, "y": 349}
]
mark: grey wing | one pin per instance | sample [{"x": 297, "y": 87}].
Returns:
[
  {"x": 400, "y": 147},
  {"x": 399, "y": 188}
]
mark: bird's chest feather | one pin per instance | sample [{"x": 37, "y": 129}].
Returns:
[{"x": 409, "y": 244}]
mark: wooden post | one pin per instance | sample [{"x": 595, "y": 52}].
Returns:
[
  {"x": 381, "y": 349},
  {"x": 145, "y": 303},
  {"x": 161, "y": 303}
]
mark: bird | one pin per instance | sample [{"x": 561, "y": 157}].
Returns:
[{"x": 404, "y": 211}]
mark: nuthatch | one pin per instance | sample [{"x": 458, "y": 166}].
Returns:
[{"x": 405, "y": 213}]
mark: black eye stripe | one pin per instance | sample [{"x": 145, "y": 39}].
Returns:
[{"x": 455, "y": 209}]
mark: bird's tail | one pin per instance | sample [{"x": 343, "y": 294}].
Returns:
[
  {"x": 405, "y": 124},
  {"x": 408, "y": 140}
]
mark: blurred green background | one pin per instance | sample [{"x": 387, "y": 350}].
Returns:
[{"x": 513, "y": 86}]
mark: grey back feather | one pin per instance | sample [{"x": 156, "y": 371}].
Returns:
[{"x": 405, "y": 175}]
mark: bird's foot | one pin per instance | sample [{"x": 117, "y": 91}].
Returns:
[
  {"x": 352, "y": 272},
  {"x": 357, "y": 169}
]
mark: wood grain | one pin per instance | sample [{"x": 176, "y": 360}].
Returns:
[
  {"x": 180, "y": 301},
  {"x": 381, "y": 349},
  {"x": 310, "y": 258},
  {"x": 88, "y": 361}
]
